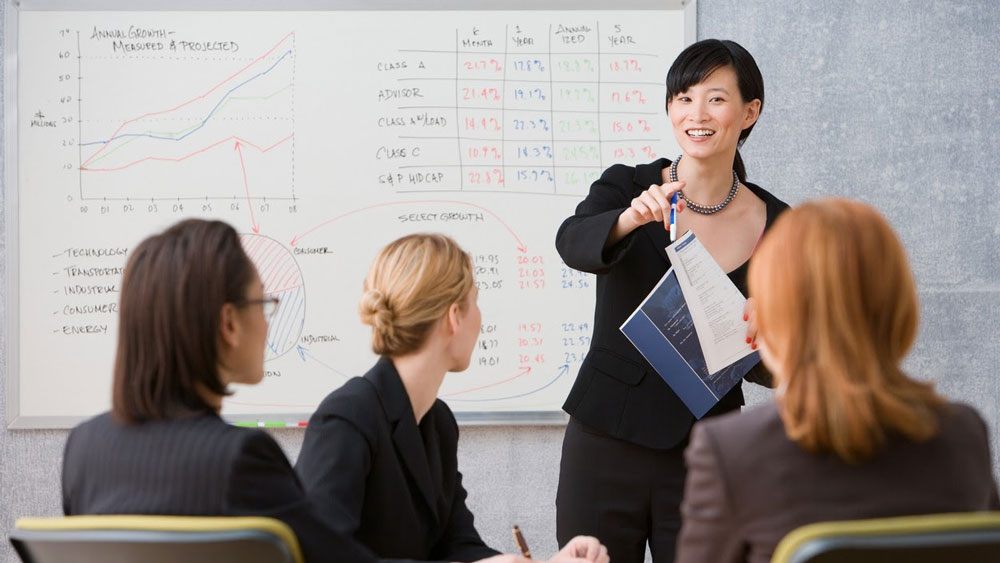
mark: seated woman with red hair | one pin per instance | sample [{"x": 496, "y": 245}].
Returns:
[{"x": 849, "y": 435}]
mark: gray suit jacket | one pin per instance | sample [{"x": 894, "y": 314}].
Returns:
[{"x": 748, "y": 485}]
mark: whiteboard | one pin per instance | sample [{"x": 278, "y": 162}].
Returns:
[{"x": 321, "y": 136}]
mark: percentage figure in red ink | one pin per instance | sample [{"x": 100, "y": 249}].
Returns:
[
  {"x": 484, "y": 152},
  {"x": 482, "y": 124},
  {"x": 491, "y": 65},
  {"x": 628, "y": 97},
  {"x": 489, "y": 94},
  {"x": 491, "y": 177},
  {"x": 632, "y": 126},
  {"x": 625, "y": 65}
]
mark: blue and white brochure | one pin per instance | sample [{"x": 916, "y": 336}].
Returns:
[{"x": 662, "y": 329}]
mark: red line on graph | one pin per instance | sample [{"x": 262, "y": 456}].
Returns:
[
  {"x": 520, "y": 245},
  {"x": 191, "y": 101},
  {"x": 525, "y": 370},
  {"x": 241, "y": 140}
]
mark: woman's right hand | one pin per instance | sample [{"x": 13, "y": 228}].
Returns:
[
  {"x": 654, "y": 204},
  {"x": 581, "y": 549}
]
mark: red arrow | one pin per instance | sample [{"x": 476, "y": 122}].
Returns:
[
  {"x": 525, "y": 370},
  {"x": 520, "y": 245},
  {"x": 238, "y": 148}
]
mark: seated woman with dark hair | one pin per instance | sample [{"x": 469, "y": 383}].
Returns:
[
  {"x": 849, "y": 434},
  {"x": 192, "y": 320}
]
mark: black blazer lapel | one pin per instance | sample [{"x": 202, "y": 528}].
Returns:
[
  {"x": 406, "y": 438},
  {"x": 645, "y": 176},
  {"x": 405, "y": 434}
]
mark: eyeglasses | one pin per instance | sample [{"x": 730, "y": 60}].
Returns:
[{"x": 270, "y": 304}]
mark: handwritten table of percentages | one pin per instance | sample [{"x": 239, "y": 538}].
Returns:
[{"x": 521, "y": 108}]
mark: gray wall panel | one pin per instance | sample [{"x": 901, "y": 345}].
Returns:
[{"x": 894, "y": 103}]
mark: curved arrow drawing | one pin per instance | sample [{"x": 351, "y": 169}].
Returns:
[
  {"x": 246, "y": 184},
  {"x": 563, "y": 369},
  {"x": 304, "y": 353},
  {"x": 525, "y": 370}
]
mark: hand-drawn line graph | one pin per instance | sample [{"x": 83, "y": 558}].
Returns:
[
  {"x": 282, "y": 278},
  {"x": 187, "y": 122}
]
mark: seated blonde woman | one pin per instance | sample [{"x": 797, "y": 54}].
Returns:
[
  {"x": 379, "y": 459},
  {"x": 849, "y": 435}
]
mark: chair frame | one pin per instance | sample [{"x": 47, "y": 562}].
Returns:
[
  {"x": 135, "y": 532},
  {"x": 965, "y": 530}
]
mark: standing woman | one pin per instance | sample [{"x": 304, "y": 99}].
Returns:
[
  {"x": 380, "y": 456},
  {"x": 622, "y": 470}
]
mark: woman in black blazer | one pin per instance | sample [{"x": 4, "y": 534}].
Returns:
[
  {"x": 379, "y": 458},
  {"x": 622, "y": 413},
  {"x": 192, "y": 320}
]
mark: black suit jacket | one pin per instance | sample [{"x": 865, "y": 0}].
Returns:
[
  {"x": 198, "y": 466},
  {"x": 725, "y": 521},
  {"x": 616, "y": 390},
  {"x": 372, "y": 472}
]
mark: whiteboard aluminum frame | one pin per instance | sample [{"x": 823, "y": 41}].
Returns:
[{"x": 11, "y": 201}]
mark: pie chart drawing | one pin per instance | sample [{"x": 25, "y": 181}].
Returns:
[{"x": 282, "y": 278}]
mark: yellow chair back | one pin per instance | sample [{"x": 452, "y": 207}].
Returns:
[{"x": 155, "y": 539}]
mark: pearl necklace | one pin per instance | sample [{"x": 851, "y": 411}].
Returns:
[{"x": 697, "y": 207}]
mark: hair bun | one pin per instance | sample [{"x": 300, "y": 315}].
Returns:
[{"x": 376, "y": 312}]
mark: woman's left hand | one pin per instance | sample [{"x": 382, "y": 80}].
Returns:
[
  {"x": 750, "y": 316},
  {"x": 582, "y": 549}
]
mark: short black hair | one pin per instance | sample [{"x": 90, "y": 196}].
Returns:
[{"x": 700, "y": 59}]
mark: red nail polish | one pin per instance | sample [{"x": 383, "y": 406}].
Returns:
[
  {"x": 748, "y": 340},
  {"x": 753, "y": 346},
  {"x": 746, "y": 317}
]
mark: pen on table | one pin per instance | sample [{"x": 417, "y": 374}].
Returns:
[
  {"x": 673, "y": 218},
  {"x": 521, "y": 544}
]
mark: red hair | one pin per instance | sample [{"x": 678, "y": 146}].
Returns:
[{"x": 837, "y": 310}]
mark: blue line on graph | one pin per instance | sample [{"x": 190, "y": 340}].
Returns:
[{"x": 203, "y": 122}]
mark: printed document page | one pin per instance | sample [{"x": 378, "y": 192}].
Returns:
[{"x": 715, "y": 303}]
